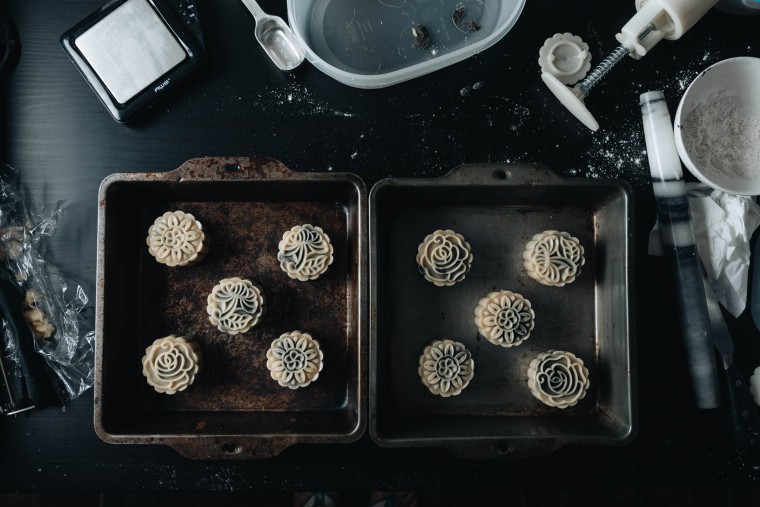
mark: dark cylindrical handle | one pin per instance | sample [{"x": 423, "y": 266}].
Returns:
[
  {"x": 32, "y": 367},
  {"x": 691, "y": 309}
]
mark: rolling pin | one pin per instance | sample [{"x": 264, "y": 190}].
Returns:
[{"x": 680, "y": 248}]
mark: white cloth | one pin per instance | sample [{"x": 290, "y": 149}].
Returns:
[{"x": 723, "y": 225}]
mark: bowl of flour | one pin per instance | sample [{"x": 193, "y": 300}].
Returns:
[{"x": 717, "y": 126}]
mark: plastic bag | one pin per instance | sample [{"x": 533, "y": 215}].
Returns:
[{"x": 55, "y": 306}]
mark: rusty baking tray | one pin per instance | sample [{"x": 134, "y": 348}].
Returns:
[
  {"x": 498, "y": 208},
  {"x": 234, "y": 410}
]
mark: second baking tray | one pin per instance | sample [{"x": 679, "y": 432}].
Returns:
[
  {"x": 234, "y": 409},
  {"x": 498, "y": 208}
]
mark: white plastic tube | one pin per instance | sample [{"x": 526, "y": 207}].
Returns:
[{"x": 670, "y": 18}]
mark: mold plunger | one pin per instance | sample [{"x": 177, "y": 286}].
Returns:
[{"x": 654, "y": 21}]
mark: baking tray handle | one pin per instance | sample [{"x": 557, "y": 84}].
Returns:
[
  {"x": 502, "y": 449},
  {"x": 508, "y": 174},
  {"x": 231, "y": 448},
  {"x": 229, "y": 168}
]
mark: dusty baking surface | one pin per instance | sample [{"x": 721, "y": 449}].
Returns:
[
  {"x": 499, "y": 209},
  {"x": 235, "y": 376}
]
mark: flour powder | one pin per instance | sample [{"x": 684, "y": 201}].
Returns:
[{"x": 722, "y": 137}]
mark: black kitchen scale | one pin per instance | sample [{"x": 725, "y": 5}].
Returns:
[{"x": 133, "y": 52}]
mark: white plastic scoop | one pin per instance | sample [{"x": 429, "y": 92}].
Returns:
[{"x": 276, "y": 38}]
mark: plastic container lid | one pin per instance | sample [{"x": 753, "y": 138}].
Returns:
[{"x": 372, "y": 43}]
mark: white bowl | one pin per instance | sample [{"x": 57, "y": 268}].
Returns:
[{"x": 735, "y": 77}]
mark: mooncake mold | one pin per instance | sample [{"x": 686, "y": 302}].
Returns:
[
  {"x": 171, "y": 363},
  {"x": 553, "y": 258},
  {"x": 294, "y": 360},
  {"x": 566, "y": 57},
  {"x": 176, "y": 238},
  {"x": 444, "y": 258},
  {"x": 235, "y": 305},
  {"x": 446, "y": 367},
  {"x": 305, "y": 252},
  {"x": 504, "y": 318},
  {"x": 558, "y": 378}
]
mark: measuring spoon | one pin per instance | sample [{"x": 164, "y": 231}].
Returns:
[{"x": 276, "y": 37}]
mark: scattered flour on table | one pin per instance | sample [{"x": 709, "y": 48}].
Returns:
[
  {"x": 621, "y": 152},
  {"x": 218, "y": 479},
  {"x": 617, "y": 153},
  {"x": 296, "y": 99},
  {"x": 722, "y": 136}
]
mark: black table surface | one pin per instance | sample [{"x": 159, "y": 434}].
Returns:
[{"x": 491, "y": 107}]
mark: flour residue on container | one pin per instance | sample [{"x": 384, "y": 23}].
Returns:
[{"x": 722, "y": 136}]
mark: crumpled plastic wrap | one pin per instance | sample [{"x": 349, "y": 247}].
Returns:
[
  {"x": 723, "y": 225},
  {"x": 55, "y": 305}
]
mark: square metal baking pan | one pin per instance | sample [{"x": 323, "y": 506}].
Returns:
[
  {"x": 234, "y": 409},
  {"x": 498, "y": 208}
]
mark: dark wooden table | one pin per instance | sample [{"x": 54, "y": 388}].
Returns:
[{"x": 491, "y": 107}]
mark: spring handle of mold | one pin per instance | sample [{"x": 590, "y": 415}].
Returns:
[{"x": 596, "y": 75}]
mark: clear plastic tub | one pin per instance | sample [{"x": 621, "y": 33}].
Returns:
[{"x": 371, "y": 44}]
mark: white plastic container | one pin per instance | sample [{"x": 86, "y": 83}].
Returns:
[{"x": 369, "y": 43}]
